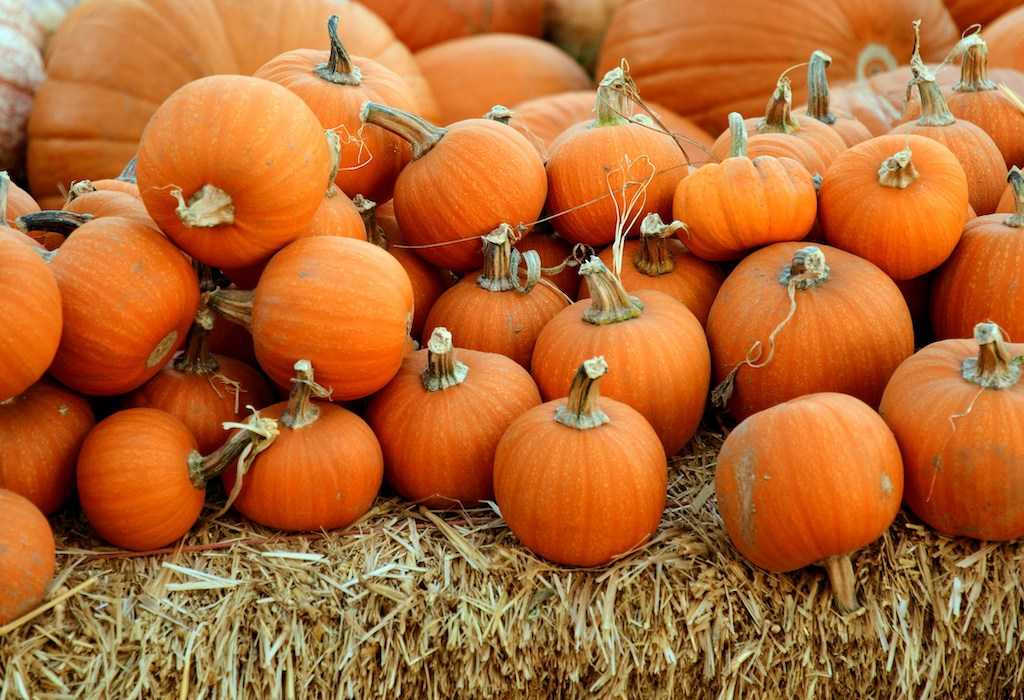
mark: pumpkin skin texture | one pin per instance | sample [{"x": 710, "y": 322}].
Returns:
[
  {"x": 422, "y": 24},
  {"x": 133, "y": 479},
  {"x": 663, "y": 346},
  {"x": 1005, "y": 43},
  {"x": 17, "y": 200},
  {"x": 27, "y": 556},
  {"x": 104, "y": 203},
  {"x": 978, "y": 490},
  {"x": 905, "y": 231},
  {"x": 274, "y": 176},
  {"x": 713, "y": 58},
  {"x": 848, "y": 334},
  {"x": 581, "y": 496},
  {"x": 461, "y": 416},
  {"x": 30, "y": 314},
  {"x": 810, "y": 480},
  {"x": 70, "y": 133},
  {"x": 41, "y": 432},
  {"x": 968, "y": 12},
  {"x": 470, "y": 75}
]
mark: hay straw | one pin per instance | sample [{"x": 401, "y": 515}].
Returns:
[{"x": 411, "y": 603}]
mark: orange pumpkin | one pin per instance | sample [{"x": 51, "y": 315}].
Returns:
[
  {"x": 898, "y": 201},
  {"x": 110, "y": 202},
  {"x": 810, "y": 481},
  {"x": 14, "y": 201},
  {"x": 742, "y": 202},
  {"x": 818, "y": 107},
  {"x": 957, "y": 409},
  {"x": 461, "y": 404},
  {"x": 581, "y": 480},
  {"x": 125, "y": 182},
  {"x": 790, "y": 321},
  {"x": 1005, "y": 42},
  {"x": 422, "y": 24},
  {"x": 41, "y": 431},
  {"x": 970, "y": 12},
  {"x": 488, "y": 174},
  {"x": 27, "y": 556},
  {"x": 656, "y": 337}
]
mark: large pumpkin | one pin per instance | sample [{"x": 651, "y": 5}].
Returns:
[
  {"x": 422, "y": 23},
  {"x": 969, "y": 12},
  {"x": 71, "y": 135},
  {"x": 706, "y": 58},
  {"x": 27, "y": 556},
  {"x": 1005, "y": 41}
]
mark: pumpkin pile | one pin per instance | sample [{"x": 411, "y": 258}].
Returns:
[{"x": 329, "y": 266}]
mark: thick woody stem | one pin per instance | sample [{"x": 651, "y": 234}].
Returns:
[
  {"x": 778, "y": 116},
  {"x": 609, "y": 301},
  {"x": 737, "y": 136},
  {"x": 654, "y": 257},
  {"x": 496, "y": 275},
  {"x": 843, "y": 581},
  {"x": 1016, "y": 180},
  {"x": 443, "y": 370},
  {"x": 807, "y": 269},
  {"x": 974, "y": 66},
  {"x": 581, "y": 410},
  {"x": 898, "y": 170},
  {"x": 367, "y": 209},
  {"x": 301, "y": 410},
  {"x": 196, "y": 358},
  {"x": 934, "y": 110},
  {"x": 52, "y": 220},
  {"x": 421, "y": 134},
  {"x": 339, "y": 68},
  {"x": 817, "y": 88},
  {"x": 235, "y": 305},
  {"x": 994, "y": 367},
  {"x": 257, "y": 435}
]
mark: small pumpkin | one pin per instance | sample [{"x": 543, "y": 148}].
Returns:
[
  {"x": 810, "y": 481},
  {"x": 461, "y": 402},
  {"x": 14, "y": 201},
  {"x": 957, "y": 409},
  {"x": 592, "y": 452},
  {"x": 110, "y": 202},
  {"x": 744, "y": 202},
  {"x": 27, "y": 556},
  {"x": 125, "y": 182},
  {"x": 818, "y": 106}
]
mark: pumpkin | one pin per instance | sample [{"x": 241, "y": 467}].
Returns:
[
  {"x": 810, "y": 481},
  {"x": 578, "y": 26},
  {"x": 687, "y": 55},
  {"x": 14, "y": 201},
  {"x": 493, "y": 311},
  {"x": 818, "y": 105},
  {"x": 27, "y": 556},
  {"x": 1005, "y": 43},
  {"x": 554, "y": 252},
  {"x": 251, "y": 191},
  {"x": 581, "y": 480},
  {"x": 977, "y": 152},
  {"x": 463, "y": 181},
  {"x": 421, "y": 24},
  {"x": 790, "y": 321},
  {"x": 111, "y": 202},
  {"x": 30, "y": 314},
  {"x": 659, "y": 261},
  {"x": 742, "y": 202},
  {"x": 141, "y": 481},
  {"x": 21, "y": 72},
  {"x": 322, "y": 471},
  {"x": 971, "y": 12},
  {"x": 124, "y": 182},
  {"x": 335, "y": 85},
  {"x": 898, "y": 201},
  {"x": 232, "y": 340},
  {"x": 128, "y": 298},
  {"x": 656, "y": 337},
  {"x": 345, "y": 303},
  {"x": 461, "y": 402},
  {"x": 71, "y": 135},
  {"x": 957, "y": 410},
  {"x": 983, "y": 277},
  {"x": 595, "y": 168},
  {"x": 41, "y": 431}
]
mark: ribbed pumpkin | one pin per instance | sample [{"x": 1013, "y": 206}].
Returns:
[
  {"x": 810, "y": 481},
  {"x": 818, "y": 104},
  {"x": 27, "y": 556},
  {"x": 30, "y": 315},
  {"x": 494, "y": 311},
  {"x": 460, "y": 402},
  {"x": 659, "y": 261},
  {"x": 1005, "y": 42},
  {"x": 41, "y": 431},
  {"x": 249, "y": 191},
  {"x": 346, "y": 304},
  {"x": 657, "y": 338},
  {"x": 14, "y": 201},
  {"x": 790, "y": 321},
  {"x": 335, "y": 85},
  {"x": 322, "y": 471},
  {"x": 469, "y": 75},
  {"x": 463, "y": 181},
  {"x": 110, "y": 202},
  {"x": 553, "y": 251},
  {"x": 128, "y": 299},
  {"x": 141, "y": 481},
  {"x": 957, "y": 409},
  {"x": 984, "y": 276},
  {"x": 898, "y": 201},
  {"x": 581, "y": 480},
  {"x": 970, "y": 12},
  {"x": 590, "y": 165},
  {"x": 742, "y": 202},
  {"x": 422, "y": 24}
]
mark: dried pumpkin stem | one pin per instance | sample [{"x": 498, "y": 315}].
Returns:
[
  {"x": 581, "y": 410},
  {"x": 208, "y": 207},
  {"x": 934, "y": 110},
  {"x": 994, "y": 367},
  {"x": 1016, "y": 180},
  {"x": 817, "y": 88},
  {"x": 5, "y": 186},
  {"x": 443, "y": 370},
  {"x": 421, "y": 134},
  {"x": 974, "y": 66},
  {"x": 843, "y": 582},
  {"x": 234, "y": 305},
  {"x": 301, "y": 410},
  {"x": 609, "y": 301},
  {"x": 196, "y": 358},
  {"x": 254, "y": 436},
  {"x": 898, "y": 170},
  {"x": 654, "y": 257},
  {"x": 612, "y": 106},
  {"x": 79, "y": 188},
  {"x": 367, "y": 209},
  {"x": 52, "y": 220},
  {"x": 737, "y": 136},
  {"x": 500, "y": 113},
  {"x": 778, "y": 115},
  {"x": 127, "y": 174},
  {"x": 500, "y": 272},
  {"x": 338, "y": 69}
]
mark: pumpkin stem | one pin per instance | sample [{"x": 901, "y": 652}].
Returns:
[
  {"x": 5, "y": 185},
  {"x": 843, "y": 581},
  {"x": 609, "y": 302},
  {"x": 500, "y": 113},
  {"x": 1016, "y": 180},
  {"x": 127, "y": 174},
  {"x": 196, "y": 358},
  {"x": 301, "y": 410},
  {"x": 334, "y": 147},
  {"x": 898, "y": 170},
  {"x": 52, "y": 220},
  {"x": 654, "y": 258},
  {"x": 443, "y": 371},
  {"x": 421, "y": 134},
  {"x": 612, "y": 106},
  {"x": 974, "y": 66},
  {"x": 737, "y": 136},
  {"x": 934, "y": 110},
  {"x": 581, "y": 410},
  {"x": 817, "y": 87},
  {"x": 77, "y": 189},
  {"x": 208, "y": 207},
  {"x": 778, "y": 115},
  {"x": 994, "y": 367},
  {"x": 807, "y": 269},
  {"x": 367, "y": 209},
  {"x": 235, "y": 305},
  {"x": 252, "y": 437},
  {"x": 501, "y": 263},
  {"x": 338, "y": 69}
]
